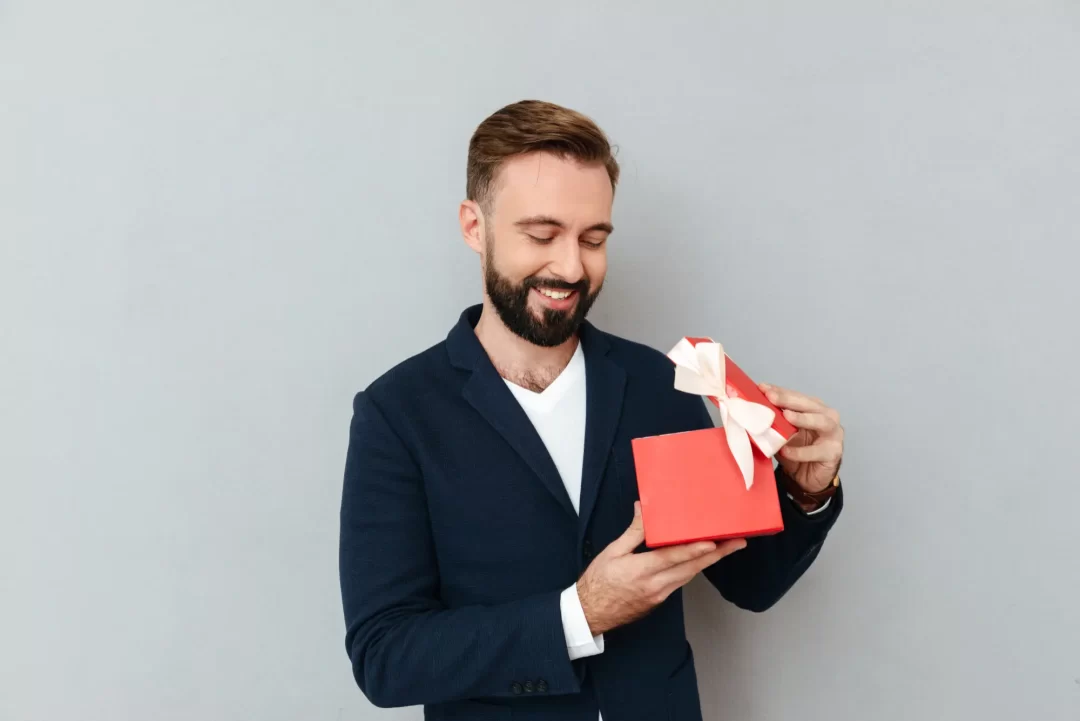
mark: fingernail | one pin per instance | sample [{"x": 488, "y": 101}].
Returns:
[{"x": 789, "y": 414}]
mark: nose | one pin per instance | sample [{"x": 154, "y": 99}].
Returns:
[{"x": 566, "y": 264}]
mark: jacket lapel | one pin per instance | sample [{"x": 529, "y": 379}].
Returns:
[
  {"x": 487, "y": 393},
  {"x": 605, "y": 383}
]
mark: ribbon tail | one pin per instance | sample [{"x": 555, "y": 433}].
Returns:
[
  {"x": 754, "y": 417},
  {"x": 739, "y": 443}
]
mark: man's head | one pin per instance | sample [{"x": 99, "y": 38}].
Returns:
[{"x": 540, "y": 183}]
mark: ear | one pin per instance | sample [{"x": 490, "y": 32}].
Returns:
[{"x": 472, "y": 221}]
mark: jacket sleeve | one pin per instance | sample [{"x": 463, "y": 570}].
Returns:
[
  {"x": 758, "y": 576},
  {"x": 406, "y": 647}
]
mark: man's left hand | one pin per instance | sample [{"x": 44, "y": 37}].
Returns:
[{"x": 812, "y": 456}]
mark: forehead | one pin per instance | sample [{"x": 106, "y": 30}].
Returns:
[{"x": 546, "y": 184}]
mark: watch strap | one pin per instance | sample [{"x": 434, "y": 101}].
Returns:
[{"x": 801, "y": 495}]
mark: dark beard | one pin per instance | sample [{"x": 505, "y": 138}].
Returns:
[{"x": 511, "y": 302}]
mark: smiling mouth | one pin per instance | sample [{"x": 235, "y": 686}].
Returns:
[{"x": 555, "y": 294}]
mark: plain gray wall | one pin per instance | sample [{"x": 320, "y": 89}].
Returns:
[{"x": 220, "y": 220}]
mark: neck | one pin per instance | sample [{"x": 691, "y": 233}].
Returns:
[{"x": 516, "y": 359}]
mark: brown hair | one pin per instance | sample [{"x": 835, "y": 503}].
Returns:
[{"x": 528, "y": 126}]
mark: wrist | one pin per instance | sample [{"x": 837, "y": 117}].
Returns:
[
  {"x": 810, "y": 499},
  {"x": 586, "y": 607}
]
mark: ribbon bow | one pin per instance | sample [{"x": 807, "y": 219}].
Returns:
[{"x": 699, "y": 369}]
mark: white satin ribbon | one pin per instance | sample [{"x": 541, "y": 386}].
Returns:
[{"x": 699, "y": 369}]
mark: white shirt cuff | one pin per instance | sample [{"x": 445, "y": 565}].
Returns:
[
  {"x": 816, "y": 510},
  {"x": 579, "y": 639}
]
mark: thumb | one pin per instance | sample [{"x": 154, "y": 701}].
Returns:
[{"x": 632, "y": 537}]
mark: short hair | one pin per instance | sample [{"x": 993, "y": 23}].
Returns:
[{"x": 530, "y": 126}]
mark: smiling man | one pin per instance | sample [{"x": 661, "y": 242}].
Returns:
[{"x": 491, "y": 557}]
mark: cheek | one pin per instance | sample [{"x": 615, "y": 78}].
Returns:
[
  {"x": 595, "y": 264},
  {"x": 518, "y": 261}
]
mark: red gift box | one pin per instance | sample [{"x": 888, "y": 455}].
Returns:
[
  {"x": 691, "y": 489},
  {"x": 715, "y": 483}
]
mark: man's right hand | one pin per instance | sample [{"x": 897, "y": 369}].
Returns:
[{"x": 621, "y": 586}]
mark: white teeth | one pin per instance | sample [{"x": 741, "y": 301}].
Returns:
[{"x": 556, "y": 294}]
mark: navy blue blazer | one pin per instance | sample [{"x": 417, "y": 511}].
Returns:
[{"x": 457, "y": 537}]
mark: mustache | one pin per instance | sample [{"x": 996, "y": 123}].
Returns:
[{"x": 582, "y": 286}]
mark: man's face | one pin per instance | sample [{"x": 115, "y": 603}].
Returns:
[{"x": 545, "y": 249}]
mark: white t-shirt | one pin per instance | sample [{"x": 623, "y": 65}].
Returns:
[{"x": 558, "y": 415}]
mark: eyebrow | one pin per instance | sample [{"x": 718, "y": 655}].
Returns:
[{"x": 548, "y": 220}]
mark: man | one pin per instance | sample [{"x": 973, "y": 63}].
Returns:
[{"x": 492, "y": 560}]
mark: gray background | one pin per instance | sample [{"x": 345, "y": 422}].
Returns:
[{"x": 220, "y": 220}]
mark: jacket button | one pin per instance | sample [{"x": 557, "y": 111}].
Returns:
[
  {"x": 529, "y": 688},
  {"x": 515, "y": 687},
  {"x": 541, "y": 686},
  {"x": 587, "y": 551}
]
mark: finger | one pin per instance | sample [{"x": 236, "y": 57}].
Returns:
[
  {"x": 823, "y": 423},
  {"x": 723, "y": 549},
  {"x": 681, "y": 574},
  {"x": 664, "y": 558},
  {"x": 631, "y": 538},
  {"x": 821, "y": 452},
  {"x": 786, "y": 398}
]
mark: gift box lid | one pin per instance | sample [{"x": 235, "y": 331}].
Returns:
[{"x": 740, "y": 385}]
